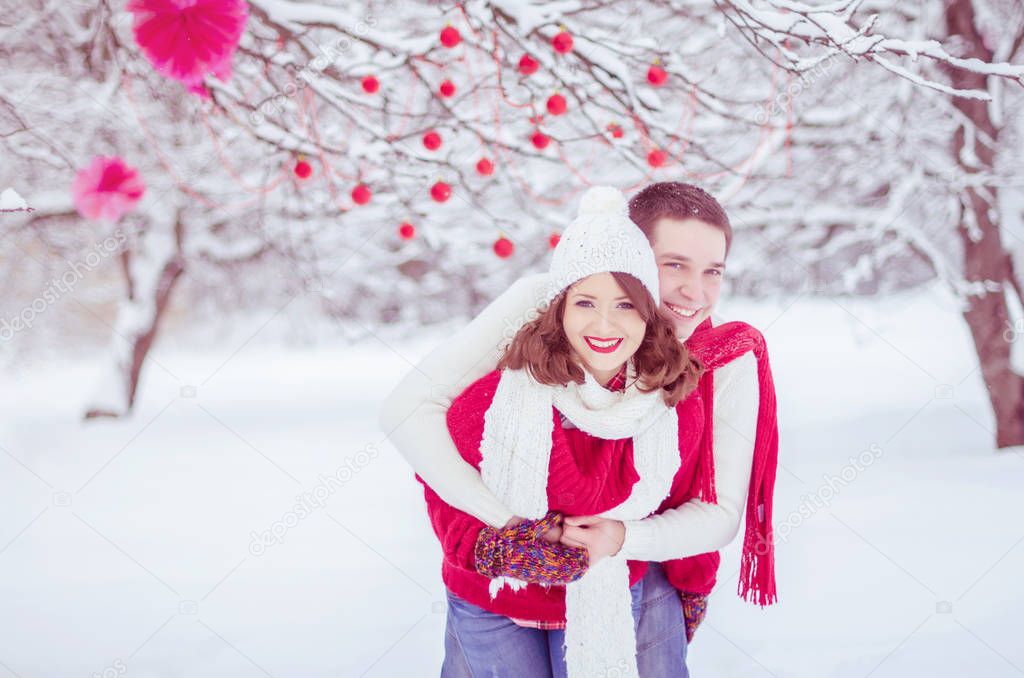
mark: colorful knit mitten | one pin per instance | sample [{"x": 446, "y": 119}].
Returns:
[
  {"x": 521, "y": 552},
  {"x": 695, "y": 606}
]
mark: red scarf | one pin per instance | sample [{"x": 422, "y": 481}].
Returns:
[{"x": 714, "y": 347}]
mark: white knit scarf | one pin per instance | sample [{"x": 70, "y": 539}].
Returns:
[{"x": 516, "y": 448}]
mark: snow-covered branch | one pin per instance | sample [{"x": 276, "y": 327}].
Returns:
[{"x": 777, "y": 22}]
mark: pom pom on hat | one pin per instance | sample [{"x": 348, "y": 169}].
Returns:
[{"x": 604, "y": 200}]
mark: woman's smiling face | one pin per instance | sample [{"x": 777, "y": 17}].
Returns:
[
  {"x": 691, "y": 262},
  {"x": 602, "y": 325}
]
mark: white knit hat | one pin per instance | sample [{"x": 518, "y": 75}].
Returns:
[{"x": 602, "y": 239}]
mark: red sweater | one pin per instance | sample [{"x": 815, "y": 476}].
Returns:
[{"x": 586, "y": 476}]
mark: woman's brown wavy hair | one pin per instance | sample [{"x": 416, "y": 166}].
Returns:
[{"x": 662, "y": 361}]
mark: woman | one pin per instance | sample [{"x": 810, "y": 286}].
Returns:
[
  {"x": 690, "y": 235},
  {"x": 550, "y": 437}
]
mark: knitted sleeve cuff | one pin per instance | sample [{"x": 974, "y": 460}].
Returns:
[
  {"x": 489, "y": 552},
  {"x": 639, "y": 541}
]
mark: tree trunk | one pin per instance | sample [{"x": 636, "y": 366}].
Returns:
[
  {"x": 151, "y": 268},
  {"x": 987, "y": 263}
]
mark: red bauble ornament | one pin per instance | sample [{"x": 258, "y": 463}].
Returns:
[
  {"x": 656, "y": 75},
  {"x": 440, "y": 191},
  {"x": 553, "y": 240},
  {"x": 562, "y": 42},
  {"x": 503, "y": 247},
  {"x": 447, "y": 88},
  {"x": 450, "y": 37},
  {"x": 303, "y": 169},
  {"x": 485, "y": 167},
  {"x": 528, "y": 65},
  {"x": 361, "y": 194},
  {"x": 370, "y": 84},
  {"x": 616, "y": 129},
  {"x": 432, "y": 140},
  {"x": 540, "y": 140},
  {"x": 656, "y": 158},
  {"x": 406, "y": 231},
  {"x": 556, "y": 104}
]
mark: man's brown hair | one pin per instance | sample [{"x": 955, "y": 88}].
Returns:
[{"x": 676, "y": 200}]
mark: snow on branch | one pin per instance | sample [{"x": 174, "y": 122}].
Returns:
[
  {"x": 778, "y": 21},
  {"x": 10, "y": 201}
]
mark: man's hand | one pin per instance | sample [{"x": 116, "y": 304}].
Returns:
[{"x": 600, "y": 536}]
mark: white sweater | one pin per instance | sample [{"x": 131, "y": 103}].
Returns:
[{"x": 413, "y": 418}]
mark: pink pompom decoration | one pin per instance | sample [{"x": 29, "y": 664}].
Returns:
[
  {"x": 107, "y": 189},
  {"x": 186, "y": 39}
]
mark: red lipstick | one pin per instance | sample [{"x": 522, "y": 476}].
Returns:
[{"x": 603, "y": 345}]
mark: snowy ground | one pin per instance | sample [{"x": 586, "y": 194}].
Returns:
[{"x": 126, "y": 547}]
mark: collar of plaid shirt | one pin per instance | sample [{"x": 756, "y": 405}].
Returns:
[{"x": 618, "y": 382}]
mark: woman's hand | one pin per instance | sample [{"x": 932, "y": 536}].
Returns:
[
  {"x": 600, "y": 536},
  {"x": 520, "y": 551}
]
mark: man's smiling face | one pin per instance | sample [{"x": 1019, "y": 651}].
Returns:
[{"x": 691, "y": 263}]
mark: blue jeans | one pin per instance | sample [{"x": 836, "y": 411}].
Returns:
[{"x": 482, "y": 644}]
